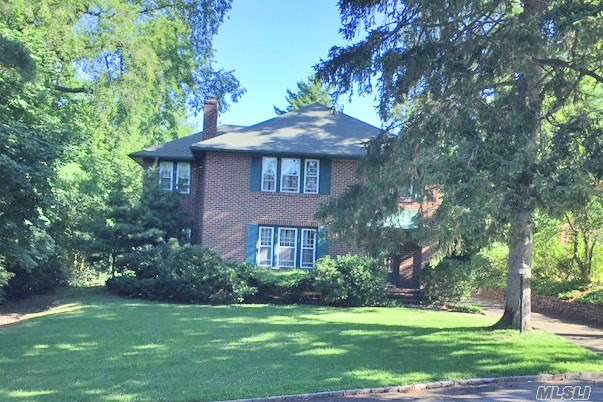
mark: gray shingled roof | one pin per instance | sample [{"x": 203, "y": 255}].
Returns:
[
  {"x": 179, "y": 148},
  {"x": 315, "y": 130}
]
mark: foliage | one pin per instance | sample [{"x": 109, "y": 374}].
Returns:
[
  {"x": 465, "y": 308},
  {"x": 585, "y": 224},
  {"x": 494, "y": 103},
  {"x": 71, "y": 74},
  {"x": 311, "y": 91},
  {"x": 453, "y": 280},
  {"x": 14, "y": 55},
  {"x": 197, "y": 352},
  {"x": 584, "y": 294},
  {"x": 27, "y": 245},
  {"x": 351, "y": 281},
  {"x": 126, "y": 225},
  {"x": 492, "y": 264},
  {"x": 4, "y": 278},
  {"x": 187, "y": 274},
  {"x": 280, "y": 286}
]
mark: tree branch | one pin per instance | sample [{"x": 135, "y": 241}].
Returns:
[
  {"x": 71, "y": 90},
  {"x": 571, "y": 66}
]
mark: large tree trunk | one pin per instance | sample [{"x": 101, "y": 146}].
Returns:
[{"x": 518, "y": 306}]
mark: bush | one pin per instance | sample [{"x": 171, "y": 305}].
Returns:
[
  {"x": 188, "y": 274},
  {"x": 351, "y": 281},
  {"x": 453, "y": 280},
  {"x": 280, "y": 286}
]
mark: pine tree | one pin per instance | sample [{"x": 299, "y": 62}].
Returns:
[
  {"x": 499, "y": 108},
  {"x": 313, "y": 90}
]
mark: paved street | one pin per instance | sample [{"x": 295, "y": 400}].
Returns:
[{"x": 509, "y": 392}]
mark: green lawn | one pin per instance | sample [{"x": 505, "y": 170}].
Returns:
[{"x": 103, "y": 348}]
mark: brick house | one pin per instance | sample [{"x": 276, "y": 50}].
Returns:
[{"x": 253, "y": 191}]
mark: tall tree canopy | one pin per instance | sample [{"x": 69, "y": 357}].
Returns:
[
  {"x": 313, "y": 90},
  {"x": 498, "y": 105},
  {"x": 113, "y": 77}
]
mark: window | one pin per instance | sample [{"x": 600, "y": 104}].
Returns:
[
  {"x": 290, "y": 175},
  {"x": 165, "y": 175},
  {"x": 183, "y": 177},
  {"x": 308, "y": 248},
  {"x": 187, "y": 235},
  {"x": 286, "y": 253},
  {"x": 264, "y": 256},
  {"x": 312, "y": 167},
  {"x": 269, "y": 174}
]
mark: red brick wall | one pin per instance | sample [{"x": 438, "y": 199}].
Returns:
[{"x": 229, "y": 205}]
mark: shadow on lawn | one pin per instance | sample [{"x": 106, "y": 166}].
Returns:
[{"x": 116, "y": 349}]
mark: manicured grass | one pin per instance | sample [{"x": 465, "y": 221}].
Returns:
[{"x": 104, "y": 348}]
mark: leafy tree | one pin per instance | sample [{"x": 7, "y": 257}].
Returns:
[
  {"x": 498, "y": 105},
  {"x": 313, "y": 90},
  {"x": 586, "y": 229},
  {"x": 114, "y": 76},
  {"x": 14, "y": 55},
  {"x": 27, "y": 166}
]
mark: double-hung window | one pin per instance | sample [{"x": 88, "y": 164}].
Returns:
[
  {"x": 183, "y": 177},
  {"x": 269, "y": 174},
  {"x": 311, "y": 169},
  {"x": 308, "y": 248},
  {"x": 165, "y": 175},
  {"x": 290, "y": 172},
  {"x": 286, "y": 253},
  {"x": 265, "y": 242}
]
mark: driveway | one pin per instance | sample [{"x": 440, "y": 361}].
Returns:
[{"x": 588, "y": 336}]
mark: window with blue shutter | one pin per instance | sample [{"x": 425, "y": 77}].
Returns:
[
  {"x": 271, "y": 174},
  {"x": 322, "y": 243},
  {"x": 252, "y": 241},
  {"x": 325, "y": 177}
]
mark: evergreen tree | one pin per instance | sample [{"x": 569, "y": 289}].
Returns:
[
  {"x": 499, "y": 108},
  {"x": 313, "y": 90}
]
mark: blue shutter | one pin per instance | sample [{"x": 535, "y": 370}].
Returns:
[
  {"x": 256, "y": 174},
  {"x": 324, "y": 186},
  {"x": 252, "y": 241},
  {"x": 322, "y": 243}
]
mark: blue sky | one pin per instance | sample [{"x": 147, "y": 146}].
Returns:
[{"x": 272, "y": 44}]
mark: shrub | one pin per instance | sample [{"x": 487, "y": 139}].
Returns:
[
  {"x": 351, "y": 281},
  {"x": 453, "y": 280},
  {"x": 593, "y": 297},
  {"x": 188, "y": 274},
  {"x": 280, "y": 286}
]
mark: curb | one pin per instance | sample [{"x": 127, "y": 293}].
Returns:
[{"x": 430, "y": 385}]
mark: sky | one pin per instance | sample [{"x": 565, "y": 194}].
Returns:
[{"x": 273, "y": 44}]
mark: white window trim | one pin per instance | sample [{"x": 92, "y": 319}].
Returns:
[
  {"x": 302, "y": 248},
  {"x": 171, "y": 165},
  {"x": 259, "y": 244},
  {"x": 275, "y": 174},
  {"x": 189, "y": 176},
  {"x": 298, "y": 176},
  {"x": 278, "y": 246},
  {"x": 317, "y": 175}
]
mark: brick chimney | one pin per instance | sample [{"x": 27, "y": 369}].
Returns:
[{"x": 210, "y": 119}]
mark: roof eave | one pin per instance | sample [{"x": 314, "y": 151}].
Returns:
[{"x": 278, "y": 153}]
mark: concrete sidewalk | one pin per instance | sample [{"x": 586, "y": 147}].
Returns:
[{"x": 584, "y": 335}]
